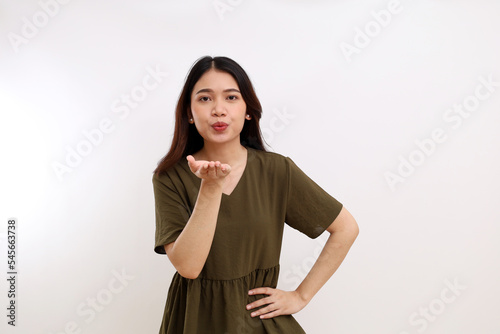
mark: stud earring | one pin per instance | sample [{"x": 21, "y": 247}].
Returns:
[{"x": 191, "y": 121}]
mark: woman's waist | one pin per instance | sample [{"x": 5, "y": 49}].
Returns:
[{"x": 260, "y": 277}]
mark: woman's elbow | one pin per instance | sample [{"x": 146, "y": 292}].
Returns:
[
  {"x": 346, "y": 224},
  {"x": 354, "y": 228},
  {"x": 189, "y": 276},
  {"x": 188, "y": 273},
  {"x": 183, "y": 267}
]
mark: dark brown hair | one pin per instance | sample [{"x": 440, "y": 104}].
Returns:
[{"x": 186, "y": 138}]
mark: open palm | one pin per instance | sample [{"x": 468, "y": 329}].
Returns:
[{"x": 208, "y": 170}]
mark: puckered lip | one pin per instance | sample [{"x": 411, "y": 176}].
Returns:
[{"x": 219, "y": 124}]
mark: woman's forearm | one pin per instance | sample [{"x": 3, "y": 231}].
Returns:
[
  {"x": 333, "y": 253},
  {"x": 190, "y": 250}
]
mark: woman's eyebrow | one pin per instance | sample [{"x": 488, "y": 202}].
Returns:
[{"x": 208, "y": 90}]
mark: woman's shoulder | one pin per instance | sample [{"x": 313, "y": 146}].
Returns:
[
  {"x": 264, "y": 155},
  {"x": 176, "y": 173},
  {"x": 267, "y": 159}
]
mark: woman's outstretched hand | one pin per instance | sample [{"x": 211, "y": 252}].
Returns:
[
  {"x": 278, "y": 302},
  {"x": 208, "y": 170}
]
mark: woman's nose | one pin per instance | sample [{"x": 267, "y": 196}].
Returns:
[{"x": 218, "y": 110}]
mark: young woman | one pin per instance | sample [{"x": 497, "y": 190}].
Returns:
[{"x": 221, "y": 202}]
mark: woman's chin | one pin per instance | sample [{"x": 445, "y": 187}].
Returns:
[{"x": 221, "y": 139}]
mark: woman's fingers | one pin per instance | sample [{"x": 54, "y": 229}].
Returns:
[
  {"x": 270, "y": 314},
  {"x": 192, "y": 163},
  {"x": 270, "y": 306},
  {"x": 259, "y": 302},
  {"x": 218, "y": 171},
  {"x": 265, "y": 311},
  {"x": 208, "y": 169},
  {"x": 277, "y": 302},
  {"x": 204, "y": 168},
  {"x": 212, "y": 170},
  {"x": 226, "y": 169}
]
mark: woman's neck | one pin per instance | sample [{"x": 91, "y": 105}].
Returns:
[{"x": 229, "y": 153}]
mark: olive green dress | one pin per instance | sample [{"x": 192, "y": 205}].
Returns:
[{"x": 246, "y": 246}]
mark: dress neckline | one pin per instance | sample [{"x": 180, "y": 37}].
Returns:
[{"x": 241, "y": 177}]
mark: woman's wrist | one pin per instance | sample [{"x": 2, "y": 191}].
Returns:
[
  {"x": 303, "y": 296},
  {"x": 212, "y": 186}
]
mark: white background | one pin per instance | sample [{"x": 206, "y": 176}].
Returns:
[{"x": 351, "y": 119}]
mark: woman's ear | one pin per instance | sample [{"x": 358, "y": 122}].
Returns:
[{"x": 248, "y": 117}]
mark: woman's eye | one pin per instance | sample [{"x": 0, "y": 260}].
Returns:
[
  {"x": 232, "y": 97},
  {"x": 204, "y": 98}
]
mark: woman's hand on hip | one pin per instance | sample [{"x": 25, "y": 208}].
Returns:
[{"x": 278, "y": 302}]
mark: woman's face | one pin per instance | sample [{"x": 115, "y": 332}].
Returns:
[{"x": 217, "y": 107}]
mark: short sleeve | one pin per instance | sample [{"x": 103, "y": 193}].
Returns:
[
  {"x": 309, "y": 208},
  {"x": 172, "y": 214}
]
